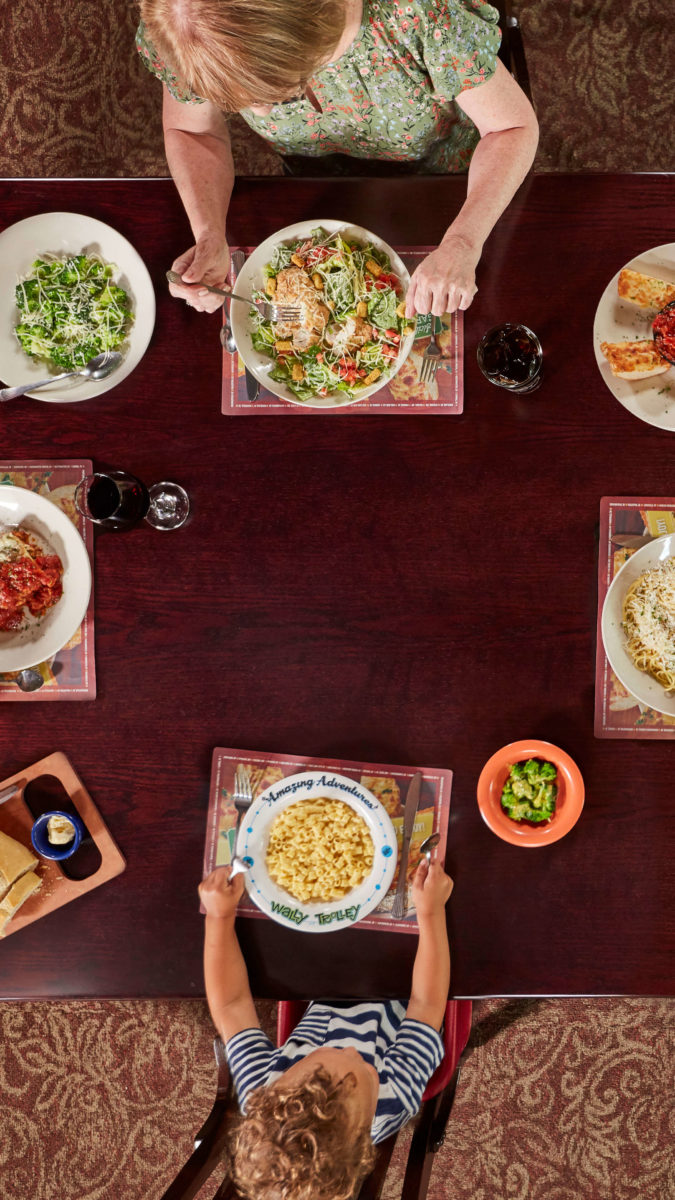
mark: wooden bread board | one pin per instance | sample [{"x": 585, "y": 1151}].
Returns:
[{"x": 16, "y": 820}]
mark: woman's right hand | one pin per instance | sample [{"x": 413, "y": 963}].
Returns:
[{"x": 206, "y": 262}]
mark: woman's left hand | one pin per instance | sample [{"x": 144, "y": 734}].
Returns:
[{"x": 445, "y": 280}]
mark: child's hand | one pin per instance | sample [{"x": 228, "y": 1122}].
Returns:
[
  {"x": 431, "y": 888},
  {"x": 219, "y": 896}
]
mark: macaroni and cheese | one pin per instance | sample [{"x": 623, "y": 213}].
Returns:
[{"x": 319, "y": 849}]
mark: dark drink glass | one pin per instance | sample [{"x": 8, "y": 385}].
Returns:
[
  {"x": 511, "y": 357},
  {"x": 119, "y": 500},
  {"x": 114, "y": 500}
]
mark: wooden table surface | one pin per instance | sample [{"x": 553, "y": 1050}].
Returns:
[{"x": 408, "y": 589}]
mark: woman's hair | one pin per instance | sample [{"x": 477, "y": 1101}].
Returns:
[
  {"x": 242, "y": 52},
  {"x": 298, "y": 1142}
]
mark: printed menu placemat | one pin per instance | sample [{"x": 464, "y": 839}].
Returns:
[
  {"x": 626, "y": 523},
  {"x": 403, "y": 394},
  {"x": 71, "y": 675},
  {"x": 387, "y": 782}
]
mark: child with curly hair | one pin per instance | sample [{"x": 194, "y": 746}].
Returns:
[{"x": 350, "y": 1075}]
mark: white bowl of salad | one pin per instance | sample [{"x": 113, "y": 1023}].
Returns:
[
  {"x": 353, "y": 335},
  {"x": 71, "y": 287}
]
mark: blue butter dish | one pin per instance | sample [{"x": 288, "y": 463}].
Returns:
[{"x": 57, "y": 834}]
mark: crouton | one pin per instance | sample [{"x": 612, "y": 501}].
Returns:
[
  {"x": 317, "y": 281},
  {"x": 373, "y": 268},
  {"x": 271, "y": 285},
  {"x": 374, "y": 374},
  {"x": 362, "y": 309},
  {"x": 297, "y": 372},
  {"x": 283, "y": 347}
]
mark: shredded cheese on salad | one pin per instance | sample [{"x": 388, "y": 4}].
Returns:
[
  {"x": 352, "y": 315},
  {"x": 71, "y": 310}
]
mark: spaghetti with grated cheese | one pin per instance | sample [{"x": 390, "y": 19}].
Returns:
[{"x": 649, "y": 623}]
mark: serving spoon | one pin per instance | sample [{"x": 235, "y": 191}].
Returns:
[{"x": 97, "y": 368}]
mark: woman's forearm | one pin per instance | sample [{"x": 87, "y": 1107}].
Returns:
[
  {"x": 431, "y": 971},
  {"x": 499, "y": 165},
  {"x": 202, "y": 168},
  {"x": 197, "y": 144}
]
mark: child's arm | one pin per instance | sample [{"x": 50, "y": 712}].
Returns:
[
  {"x": 431, "y": 971},
  {"x": 227, "y": 988}
]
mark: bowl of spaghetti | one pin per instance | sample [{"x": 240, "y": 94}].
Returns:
[
  {"x": 638, "y": 625},
  {"x": 45, "y": 579}
]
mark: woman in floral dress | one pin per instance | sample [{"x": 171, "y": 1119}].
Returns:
[{"x": 405, "y": 82}]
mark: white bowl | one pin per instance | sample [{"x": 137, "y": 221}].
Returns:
[
  {"x": 64, "y": 234},
  {"x": 35, "y": 513},
  {"x": 644, "y": 687},
  {"x": 251, "y": 277},
  {"x": 327, "y": 916}
]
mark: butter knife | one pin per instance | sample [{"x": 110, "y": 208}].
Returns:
[
  {"x": 8, "y": 792},
  {"x": 252, "y": 385},
  {"x": 411, "y": 803}
]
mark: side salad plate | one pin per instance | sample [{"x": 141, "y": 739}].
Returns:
[
  {"x": 278, "y": 903},
  {"x": 352, "y": 336},
  {"x": 83, "y": 263}
]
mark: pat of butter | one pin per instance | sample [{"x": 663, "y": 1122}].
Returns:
[{"x": 60, "y": 830}]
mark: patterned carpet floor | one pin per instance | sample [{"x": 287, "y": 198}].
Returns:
[
  {"x": 558, "y": 1100},
  {"x": 600, "y": 73}
]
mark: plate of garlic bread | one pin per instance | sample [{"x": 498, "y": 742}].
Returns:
[{"x": 640, "y": 378}]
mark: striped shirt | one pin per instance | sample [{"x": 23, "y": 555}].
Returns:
[{"x": 404, "y": 1052}]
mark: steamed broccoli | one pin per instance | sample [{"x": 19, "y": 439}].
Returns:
[{"x": 530, "y": 791}]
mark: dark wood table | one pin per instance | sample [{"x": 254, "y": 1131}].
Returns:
[{"x": 407, "y": 589}]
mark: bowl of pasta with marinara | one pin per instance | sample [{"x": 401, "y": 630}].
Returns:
[
  {"x": 638, "y": 625},
  {"x": 321, "y": 851},
  {"x": 45, "y": 579}
]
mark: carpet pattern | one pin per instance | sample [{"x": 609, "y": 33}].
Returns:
[
  {"x": 600, "y": 75},
  {"x": 558, "y": 1100}
]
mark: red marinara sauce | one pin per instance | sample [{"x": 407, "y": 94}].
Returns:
[
  {"x": 663, "y": 328},
  {"x": 34, "y": 583}
]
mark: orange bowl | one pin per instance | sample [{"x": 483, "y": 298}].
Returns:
[{"x": 569, "y": 802}]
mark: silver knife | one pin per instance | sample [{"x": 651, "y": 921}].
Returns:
[
  {"x": 8, "y": 792},
  {"x": 252, "y": 385},
  {"x": 411, "y": 803},
  {"x": 631, "y": 541}
]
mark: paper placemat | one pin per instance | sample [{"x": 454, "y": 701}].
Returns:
[
  {"x": 71, "y": 675},
  {"x": 624, "y": 519},
  {"x": 389, "y": 783},
  {"x": 403, "y": 394}
]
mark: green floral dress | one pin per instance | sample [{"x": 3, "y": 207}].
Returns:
[{"x": 391, "y": 95}]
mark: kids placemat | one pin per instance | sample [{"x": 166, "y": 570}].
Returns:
[
  {"x": 626, "y": 524},
  {"x": 403, "y": 394},
  {"x": 71, "y": 674},
  {"x": 386, "y": 781}
]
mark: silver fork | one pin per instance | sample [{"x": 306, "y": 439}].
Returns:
[
  {"x": 282, "y": 313},
  {"x": 242, "y": 796},
  {"x": 431, "y": 360}
]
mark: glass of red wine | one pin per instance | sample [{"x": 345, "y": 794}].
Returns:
[
  {"x": 118, "y": 500},
  {"x": 511, "y": 357}
]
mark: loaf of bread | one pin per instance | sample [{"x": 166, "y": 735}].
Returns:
[
  {"x": 634, "y": 360},
  {"x": 645, "y": 290},
  {"x": 17, "y": 895},
  {"x": 15, "y": 860}
]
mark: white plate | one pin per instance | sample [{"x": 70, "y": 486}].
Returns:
[
  {"x": 70, "y": 233},
  {"x": 251, "y": 277},
  {"x": 641, "y": 685},
  {"x": 279, "y": 904},
  {"x": 26, "y": 648},
  {"x": 651, "y": 400}
]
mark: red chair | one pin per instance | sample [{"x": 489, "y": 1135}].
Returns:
[
  {"x": 211, "y": 1141},
  {"x": 437, "y": 1101}
]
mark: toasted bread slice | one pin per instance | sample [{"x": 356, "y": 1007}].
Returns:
[
  {"x": 15, "y": 860},
  {"x": 645, "y": 290},
  {"x": 634, "y": 360},
  {"x": 26, "y": 886}
]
